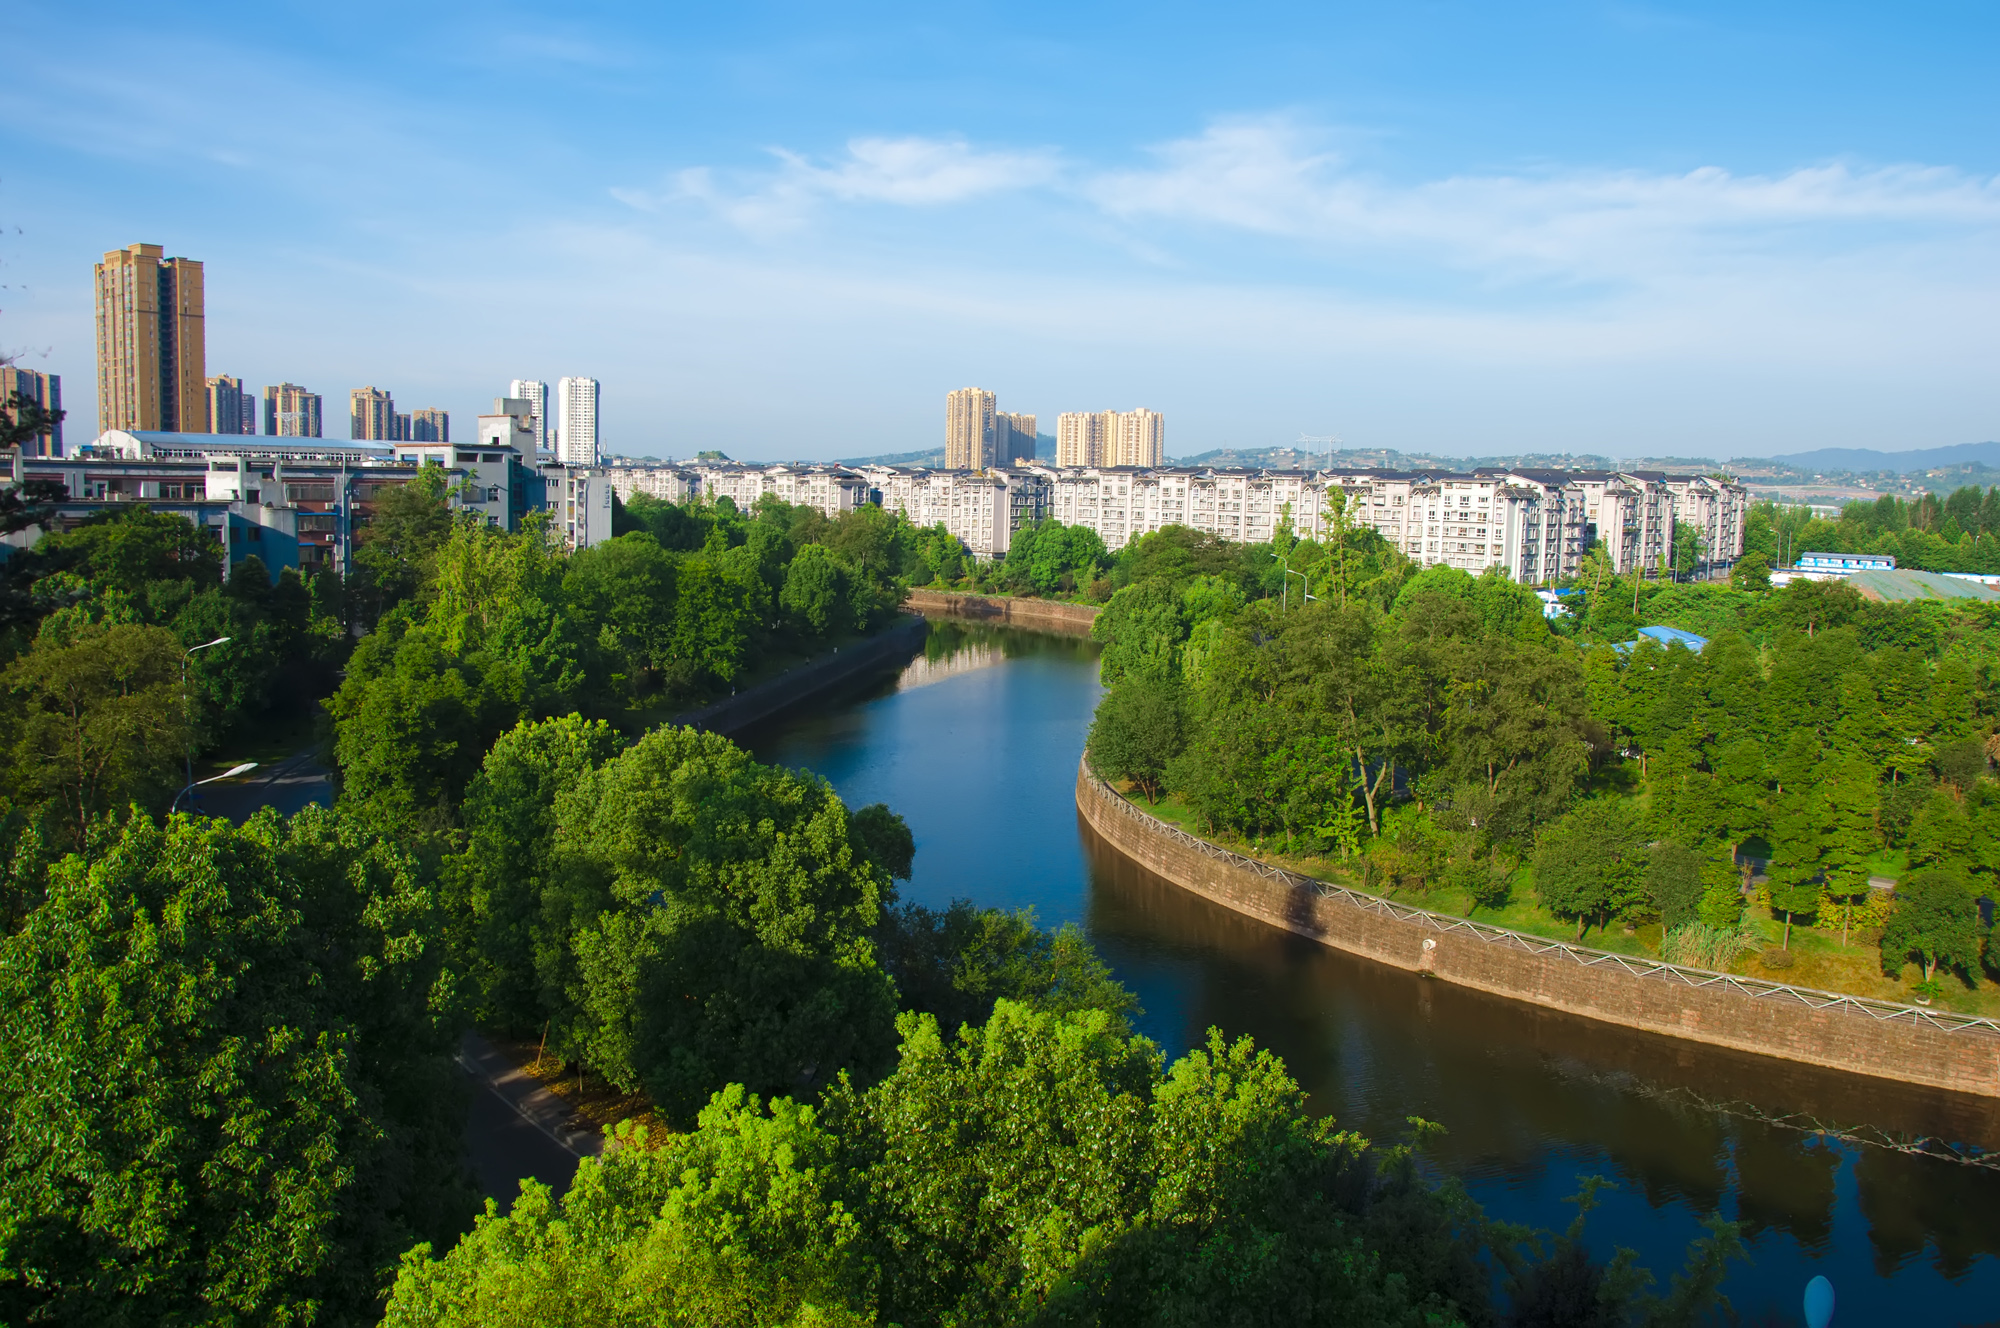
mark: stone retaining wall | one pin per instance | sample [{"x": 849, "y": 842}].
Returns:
[
  {"x": 894, "y": 644},
  {"x": 1044, "y": 614},
  {"x": 1878, "y": 1038}
]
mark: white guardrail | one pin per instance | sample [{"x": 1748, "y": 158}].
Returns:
[{"x": 1635, "y": 965}]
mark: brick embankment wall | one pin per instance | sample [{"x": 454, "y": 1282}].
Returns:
[
  {"x": 892, "y": 645},
  {"x": 1839, "y": 1033},
  {"x": 1043, "y": 614}
]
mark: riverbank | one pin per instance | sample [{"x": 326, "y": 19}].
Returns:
[
  {"x": 795, "y": 686},
  {"x": 1040, "y": 614},
  {"x": 1833, "y": 1031}
]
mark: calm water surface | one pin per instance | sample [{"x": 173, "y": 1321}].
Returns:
[{"x": 976, "y": 744}]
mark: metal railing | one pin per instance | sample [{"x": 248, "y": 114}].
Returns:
[{"x": 1634, "y": 965}]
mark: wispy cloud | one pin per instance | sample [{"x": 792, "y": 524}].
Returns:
[
  {"x": 1275, "y": 178},
  {"x": 907, "y": 172},
  {"x": 1279, "y": 178}
]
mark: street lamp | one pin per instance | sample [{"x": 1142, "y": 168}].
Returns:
[
  {"x": 230, "y": 773},
  {"x": 187, "y": 708}
]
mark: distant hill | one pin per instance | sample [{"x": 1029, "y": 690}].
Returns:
[
  {"x": 1864, "y": 461},
  {"x": 933, "y": 457},
  {"x": 1357, "y": 458}
]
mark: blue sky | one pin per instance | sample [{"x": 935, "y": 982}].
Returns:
[{"x": 787, "y": 230}]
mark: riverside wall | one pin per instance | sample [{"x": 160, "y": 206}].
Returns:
[
  {"x": 1900, "y": 1043},
  {"x": 892, "y": 645},
  {"x": 1042, "y": 614}
]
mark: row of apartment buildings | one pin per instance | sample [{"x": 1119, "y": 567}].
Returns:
[
  {"x": 1536, "y": 524},
  {"x": 300, "y": 502}
]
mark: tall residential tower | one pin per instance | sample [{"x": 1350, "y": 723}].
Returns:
[
  {"x": 576, "y": 421},
  {"x": 291, "y": 412},
  {"x": 151, "y": 349},
  {"x": 44, "y": 390},
  {"x": 536, "y": 394},
  {"x": 968, "y": 429}
]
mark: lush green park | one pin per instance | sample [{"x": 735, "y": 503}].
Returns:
[{"x": 1435, "y": 738}]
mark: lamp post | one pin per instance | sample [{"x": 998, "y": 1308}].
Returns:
[{"x": 187, "y": 708}]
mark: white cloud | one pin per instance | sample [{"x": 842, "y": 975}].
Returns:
[
  {"x": 1272, "y": 177},
  {"x": 907, "y": 172}
]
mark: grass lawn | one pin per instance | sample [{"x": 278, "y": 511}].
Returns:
[{"x": 1818, "y": 957}]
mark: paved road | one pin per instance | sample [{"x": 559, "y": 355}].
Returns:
[
  {"x": 518, "y": 1128},
  {"x": 289, "y": 785}
]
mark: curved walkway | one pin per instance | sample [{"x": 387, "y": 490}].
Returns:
[{"x": 1830, "y": 1029}]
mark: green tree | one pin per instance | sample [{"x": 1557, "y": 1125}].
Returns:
[
  {"x": 1141, "y": 629},
  {"x": 818, "y": 592},
  {"x": 717, "y": 925},
  {"x": 1591, "y": 863},
  {"x": 502, "y": 876},
  {"x": 1139, "y": 729},
  {"x": 711, "y": 623},
  {"x": 1935, "y": 921},
  {"x": 102, "y": 720},
  {"x": 1674, "y": 883},
  {"x": 224, "y": 1063},
  {"x": 739, "y": 1224},
  {"x": 1751, "y": 572},
  {"x": 955, "y": 963},
  {"x": 405, "y": 525}
]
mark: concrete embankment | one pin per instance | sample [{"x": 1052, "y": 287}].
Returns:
[
  {"x": 892, "y": 645},
  {"x": 1826, "y": 1029},
  {"x": 1045, "y": 615}
]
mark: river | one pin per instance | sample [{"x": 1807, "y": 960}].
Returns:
[{"x": 976, "y": 744}]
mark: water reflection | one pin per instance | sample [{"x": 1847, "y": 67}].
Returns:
[{"x": 978, "y": 751}]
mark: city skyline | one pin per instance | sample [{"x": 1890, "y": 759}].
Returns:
[{"x": 1450, "y": 232}]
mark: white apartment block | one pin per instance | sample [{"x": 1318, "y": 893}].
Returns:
[
  {"x": 576, "y": 421},
  {"x": 536, "y": 394},
  {"x": 1716, "y": 509},
  {"x": 832, "y": 489},
  {"x": 982, "y": 510},
  {"x": 669, "y": 484},
  {"x": 1534, "y": 524}
]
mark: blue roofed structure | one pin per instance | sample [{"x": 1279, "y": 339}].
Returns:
[{"x": 1664, "y": 637}]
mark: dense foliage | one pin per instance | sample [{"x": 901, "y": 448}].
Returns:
[
  {"x": 1440, "y": 727},
  {"x": 1039, "y": 1168},
  {"x": 497, "y": 629},
  {"x": 1930, "y": 533},
  {"x": 225, "y": 1086},
  {"x": 98, "y": 627}
]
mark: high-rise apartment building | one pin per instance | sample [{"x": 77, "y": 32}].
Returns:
[
  {"x": 1111, "y": 438},
  {"x": 430, "y": 426},
  {"x": 968, "y": 429},
  {"x": 371, "y": 415},
  {"x": 231, "y": 410},
  {"x": 1141, "y": 439},
  {"x": 1013, "y": 438},
  {"x": 151, "y": 348},
  {"x": 536, "y": 394},
  {"x": 45, "y": 390},
  {"x": 1080, "y": 437},
  {"x": 291, "y": 412},
  {"x": 576, "y": 421}
]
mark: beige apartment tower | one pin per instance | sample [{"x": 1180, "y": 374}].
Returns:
[
  {"x": 291, "y": 412},
  {"x": 1111, "y": 438},
  {"x": 151, "y": 348},
  {"x": 968, "y": 429},
  {"x": 371, "y": 416}
]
